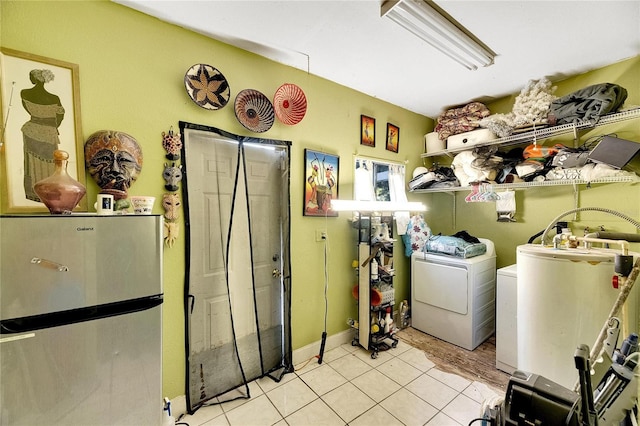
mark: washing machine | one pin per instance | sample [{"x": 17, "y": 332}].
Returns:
[
  {"x": 452, "y": 298},
  {"x": 564, "y": 298},
  {"x": 507, "y": 318}
]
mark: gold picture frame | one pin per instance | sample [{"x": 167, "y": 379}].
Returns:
[
  {"x": 367, "y": 131},
  {"x": 50, "y": 88},
  {"x": 393, "y": 137}
]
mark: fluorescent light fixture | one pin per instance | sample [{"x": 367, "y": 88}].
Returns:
[
  {"x": 434, "y": 26},
  {"x": 376, "y": 206}
]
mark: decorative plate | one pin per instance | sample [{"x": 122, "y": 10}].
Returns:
[
  {"x": 290, "y": 104},
  {"x": 254, "y": 110},
  {"x": 207, "y": 87}
]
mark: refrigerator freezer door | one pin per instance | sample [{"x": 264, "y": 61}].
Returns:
[
  {"x": 60, "y": 263},
  {"x": 102, "y": 372}
]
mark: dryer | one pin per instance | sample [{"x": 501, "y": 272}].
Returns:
[{"x": 452, "y": 298}]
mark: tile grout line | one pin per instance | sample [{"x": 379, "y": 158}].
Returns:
[{"x": 470, "y": 387}]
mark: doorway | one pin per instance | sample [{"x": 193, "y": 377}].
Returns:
[{"x": 237, "y": 285}]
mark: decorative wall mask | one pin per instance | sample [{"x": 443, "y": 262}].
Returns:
[
  {"x": 172, "y": 175},
  {"x": 172, "y": 143},
  {"x": 171, "y": 204},
  {"x": 114, "y": 160}
]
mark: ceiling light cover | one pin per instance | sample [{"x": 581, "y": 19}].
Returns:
[{"x": 424, "y": 21}]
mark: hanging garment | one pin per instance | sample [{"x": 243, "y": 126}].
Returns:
[
  {"x": 397, "y": 194},
  {"x": 416, "y": 235}
]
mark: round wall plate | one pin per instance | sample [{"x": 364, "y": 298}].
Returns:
[
  {"x": 254, "y": 110},
  {"x": 290, "y": 104},
  {"x": 207, "y": 87}
]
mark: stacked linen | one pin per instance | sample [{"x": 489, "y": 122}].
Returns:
[{"x": 459, "y": 120}]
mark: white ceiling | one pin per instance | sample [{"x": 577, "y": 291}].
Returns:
[{"x": 347, "y": 42}]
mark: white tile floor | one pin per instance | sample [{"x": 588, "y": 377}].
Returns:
[{"x": 400, "y": 387}]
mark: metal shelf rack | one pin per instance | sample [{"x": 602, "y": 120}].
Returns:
[{"x": 542, "y": 133}]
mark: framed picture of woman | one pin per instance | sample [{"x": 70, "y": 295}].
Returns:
[
  {"x": 321, "y": 183},
  {"x": 40, "y": 114},
  {"x": 367, "y": 131},
  {"x": 393, "y": 137}
]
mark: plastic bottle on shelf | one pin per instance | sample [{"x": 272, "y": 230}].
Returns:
[
  {"x": 404, "y": 314},
  {"x": 375, "y": 326},
  {"x": 388, "y": 321},
  {"x": 374, "y": 269}
]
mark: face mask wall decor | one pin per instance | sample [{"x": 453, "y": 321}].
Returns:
[
  {"x": 172, "y": 144},
  {"x": 114, "y": 160},
  {"x": 171, "y": 204},
  {"x": 172, "y": 175}
]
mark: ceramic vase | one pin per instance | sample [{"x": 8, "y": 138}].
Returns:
[{"x": 60, "y": 192}]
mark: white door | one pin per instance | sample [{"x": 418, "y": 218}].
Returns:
[{"x": 236, "y": 256}]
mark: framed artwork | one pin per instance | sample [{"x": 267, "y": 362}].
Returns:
[
  {"x": 393, "y": 137},
  {"x": 41, "y": 113},
  {"x": 367, "y": 131},
  {"x": 321, "y": 183}
]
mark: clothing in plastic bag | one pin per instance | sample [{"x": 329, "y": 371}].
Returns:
[{"x": 587, "y": 105}]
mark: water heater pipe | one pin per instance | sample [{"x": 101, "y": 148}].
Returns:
[
  {"x": 632, "y": 238},
  {"x": 622, "y": 243},
  {"x": 552, "y": 224}
]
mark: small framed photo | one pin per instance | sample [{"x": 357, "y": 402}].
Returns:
[
  {"x": 321, "y": 183},
  {"x": 393, "y": 137},
  {"x": 41, "y": 111},
  {"x": 367, "y": 131}
]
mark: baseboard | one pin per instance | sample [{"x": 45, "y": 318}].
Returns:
[{"x": 300, "y": 355}]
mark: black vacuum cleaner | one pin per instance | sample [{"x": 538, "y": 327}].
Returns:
[{"x": 535, "y": 400}]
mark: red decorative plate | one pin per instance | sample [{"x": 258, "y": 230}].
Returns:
[
  {"x": 290, "y": 104},
  {"x": 254, "y": 110}
]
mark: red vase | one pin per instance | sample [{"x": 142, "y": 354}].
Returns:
[{"x": 60, "y": 192}]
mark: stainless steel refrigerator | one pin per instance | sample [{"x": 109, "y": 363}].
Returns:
[{"x": 81, "y": 320}]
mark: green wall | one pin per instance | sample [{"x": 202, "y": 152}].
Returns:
[
  {"x": 131, "y": 69},
  {"x": 131, "y": 79}
]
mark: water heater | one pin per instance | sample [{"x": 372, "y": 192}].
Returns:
[{"x": 564, "y": 298}]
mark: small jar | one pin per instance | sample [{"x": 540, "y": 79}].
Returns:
[{"x": 60, "y": 192}]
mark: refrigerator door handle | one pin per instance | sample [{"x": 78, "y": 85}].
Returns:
[
  {"x": 73, "y": 316},
  {"x": 49, "y": 264},
  {"x": 18, "y": 337}
]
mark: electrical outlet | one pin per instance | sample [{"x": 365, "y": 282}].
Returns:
[{"x": 321, "y": 235}]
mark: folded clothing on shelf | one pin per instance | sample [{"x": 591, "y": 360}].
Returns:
[
  {"x": 460, "y": 120},
  {"x": 454, "y": 246}
]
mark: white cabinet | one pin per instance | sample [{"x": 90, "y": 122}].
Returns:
[{"x": 506, "y": 319}]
